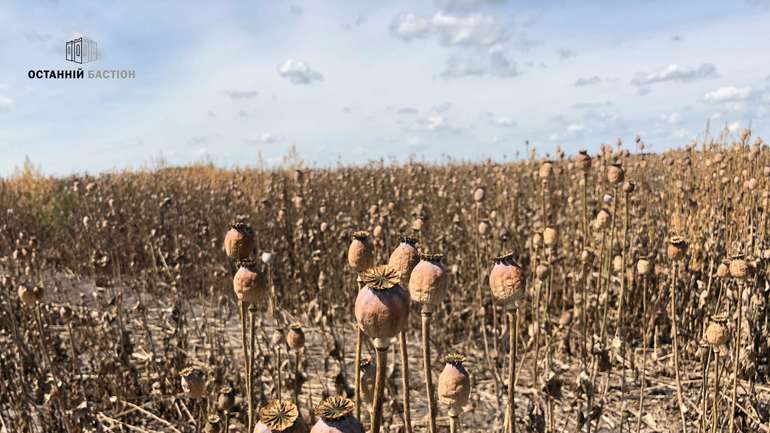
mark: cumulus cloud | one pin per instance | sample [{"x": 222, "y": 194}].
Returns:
[
  {"x": 499, "y": 120},
  {"x": 588, "y": 81},
  {"x": 298, "y": 72},
  {"x": 432, "y": 123},
  {"x": 409, "y": 26},
  {"x": 491, "y": 62},
  {"x": 675, "y": 73},
  {"x": 6, "y": 104},
  {"x": 565, "y": 53},
  {"x": 407, "y": 110},
  {"x": 242, "y": 94},
  {"x": 450, "y": 29},
  {"x": 672, "y": 119},
  {"x": 728, "y": 94}
]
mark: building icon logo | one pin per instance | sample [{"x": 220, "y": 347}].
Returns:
[{"x": 81, "y": 50}]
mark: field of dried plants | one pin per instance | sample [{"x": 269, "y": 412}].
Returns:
[{"x": 610, "y": 291}]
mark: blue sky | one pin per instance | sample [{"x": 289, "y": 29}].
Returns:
[{"x": 236, "y": 82}]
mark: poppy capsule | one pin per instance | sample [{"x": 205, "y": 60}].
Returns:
[
  {"x": 239, "y": 241},
  {"x": 280, "y": 416},
  {"x": 336, "y": 416},
  {"x": 193, "y": 382},
  {"x": 506, "y": 280},
  {"x": 382, "y": 306},
  {"x": 429, "y": 280},
  {"x": 677, "y": 248},
  {"x": 360, "y": 252},
  {"x": 454, "y": 384},
  {"x": 404, "y": 258},
  {"x": 249, "y": 283},
  {"x": 295, "y": 338}
]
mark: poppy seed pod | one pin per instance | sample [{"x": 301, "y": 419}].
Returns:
[
  {"x": 454, "y": 384},
  {"x": 483, "y": 227},
  {"x": 602, "y": 218},
  {"x": 382, "y": 306},
  {"x": 239, "y": 241},
  {"x": 280, "y": 416},
  {"x": 30, "y": 296},
  {"x": 586, "y": 257},
  {"x": 249, "y": 283},
  {"x": 506, "y": 280},
  {"x": 418, "y": 224},
  {"x": 478, "y": 194},
  {"x": 739, "y": 268},
  {"x": 368, "y": 372},
  {"x": 545, "y": 171},
  {"x": 550, "y": 236},
  {"x": 629, "y": 187},
  {"x": 360, "y": 252},
  {"x": 583, "y": 160},
  {"x": 615, "y": 173},
  {"x": 723, "y": 270},
  {"x": 541, "y": 271},
  {"x": 404, "y": 258},
  {"x": 295, "y": 338},
  {"x": 336, "y": 416},
  {"x": 225, "y": 399},
  {"x": 677, "y": 248},
  {"x": 643, "y": 267},
  {"x": 213, "y": 424},
  {"x": 429, "y": 280},
  {"x": 193, "y": 382},
  {"x": 716, "y": 332}
]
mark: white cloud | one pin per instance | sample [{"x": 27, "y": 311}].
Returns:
[
  {"x": 298, "y": 72},
  {"x": 263, "y": 138},
  {"x": 492, "y": 61},
  {"x": 672, "y": 119},
  {"x": 576, "y": 128},
  {"x": 728, "y": 94},
  {"x": 432, "y": 123},
  {"x": 565, "y": 53},
  {"x": 733, "y": 127},
  {"x": 675, "y": 73},
  {"x": 504, "y": 121},
  {"x": 589, "y": 81},
  {"x": 6, "y": 104},
  {"x": 410, "y": 26},
  {"x": 451, "y": 30},
  {"x": 468, "y": 30}
]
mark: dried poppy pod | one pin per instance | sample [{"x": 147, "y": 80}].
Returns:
[
  {"x": 537, "y": 240},
  {"x": 677, "y": 248},
  {"x": 418, "y": 224},
  {"x": 723, "y": 270},
  {"x": 617, "y": 264},
  {"x": 545, "y": 171},
  {"x": 377, "y": 232},
  {"x": 583, "y": 160},
  {"x": 193, "y": 382},
  {"x": 249, "y": 283},
  {"x": 739, "y": 268},
  {"x": 550, "y": 237},
  {"x": 643, "y": 267},
  {"x": 239, "y": 241},
  {"x": 213, "y": 424},
  {"x": 225, "y": 399},
  {"x": 360, "y": 252},
  {"x": 615, "y": 173},
  {"x": 404, "y": 258},
  {"x": 368, "y": 372},
  {"x": 429, "y": 280},
  {"x": 478, "y": 194},
  {"x": 277, "y": 338},
  {"x": 541, "y": 271},
  {"x": 506, "y": 280},
  {"x": 280, "y": 416},
  {"x": 586, "y": 257},
  {"x": 382, "y": 306},
  {"x": 602, "y": 218},
  {"x": 717, "y": 333},
  {"x": 295, "y": 338},
  {"x": 336, "y": 416},
  {"x": 454, "y": 384},
  {"x": 30, "y": 296},
  {"x": 629, "y": 187},
  {"x": 483, "y": 227}
]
